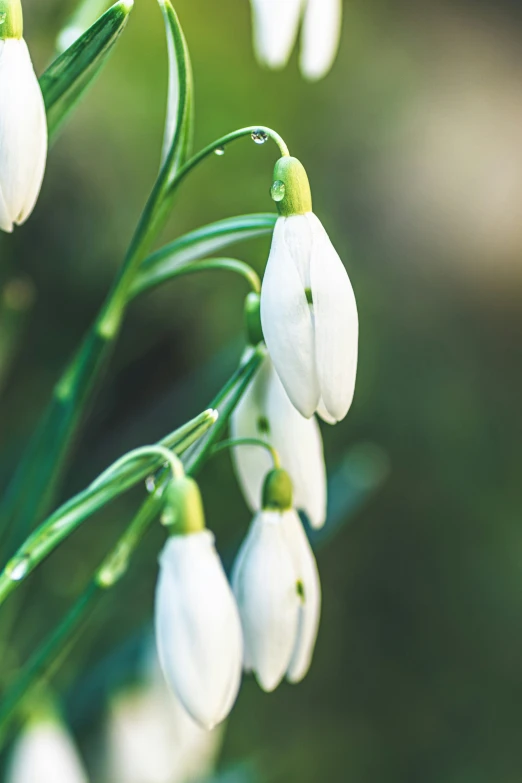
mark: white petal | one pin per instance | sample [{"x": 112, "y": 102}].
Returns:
[
  {"x": 45, "y": 753},
  {"x": 275, "y": 29},
  {"x": 288, "y": 324},
  {"x": 264, "y": 583},
  {"x": 310, "y": 611},
  {"x": 6, "y": 221},
  {"x": 320, "y": 37},
  {"x": 249, "y": 420},
  {"x": 198, "y": 629},
  {"x": 23, "y": 130},
  {"x": 323, "y": 413},
  {"x": 300, "y": 446},
  {"x": 336, "y": 324}
]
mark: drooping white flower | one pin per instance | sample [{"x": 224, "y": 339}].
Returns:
[
  {"x": 308, "y": 309},
  {"x": 198, "y": 630},
  {"x": 151, "y": 738},
  {"x": 23, "y": 129},
  {"x": 276, "y": 583},
  {"x": 265, "y": 412},
  {"x": 45, "y": 752},
  {"x": 265, "y": 586},
  {"x": 276, "y": 24}
]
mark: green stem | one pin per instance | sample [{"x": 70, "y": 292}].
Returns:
[
  {"x": 233, "y": 443},
  {"x": 222, "y": 143},
  {"x": 143, "y": 284}
]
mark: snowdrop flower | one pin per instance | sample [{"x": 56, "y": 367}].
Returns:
[
  {"x": 276, "y": 24},
  {"x": 45, "y": 752},
  {"x": 266, "y": 413},
  {"x": 276, "y": 583},
  {"x": 23, "y": 125},
  {"x": 151, "y": 739},
  {"x": 198, "y": 630},
  {"x": 308, "y": 308}
]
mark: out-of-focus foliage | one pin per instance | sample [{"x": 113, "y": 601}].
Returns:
[{"x": 413, "y": 150}]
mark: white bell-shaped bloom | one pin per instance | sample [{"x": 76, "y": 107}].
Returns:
[
  {"x": 45, "y": 753},
  {"x": 276, "y": 23},
  {"x": 309, "y": 318},
  {"x": 151, "y": 738},
  {"x": 23, "y": 134},
  {"x": 266, "y": 413},
  {"x": 198, "y": 630},
  {"x": 265, "y": 586},
  {"x": 276, "y": 583}
]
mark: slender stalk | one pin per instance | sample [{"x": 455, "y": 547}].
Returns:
[
  {"x": 117, "y": 480},
  {"x": 143, "y": 283},
  {"x": 222, "y": 143},
  {"x": 235, "y": 442}
]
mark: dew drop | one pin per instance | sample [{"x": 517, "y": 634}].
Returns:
[
  {"x": 220, "y": 151},
  {"x": 150, "y": 484},
  {"x": 259, "y": 136},
  {"x": 278, "y": 190},
  {"x": 3, "y": 16},
  {"x": 18, "y": 567}
]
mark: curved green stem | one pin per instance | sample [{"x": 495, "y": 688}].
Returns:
[
  {"x": 115, "y": 481},
  {"x": 222, "y": 142},
  {"x": 232, "y": 443},
  {"x": 143, "y": 284},
  {"x": 174, "y": 462}
]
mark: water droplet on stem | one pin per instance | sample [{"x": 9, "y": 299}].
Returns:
[{"x": 259, "y": 136}]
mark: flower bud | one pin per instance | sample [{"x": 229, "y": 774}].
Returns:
[{"x": 23, "y": 124}]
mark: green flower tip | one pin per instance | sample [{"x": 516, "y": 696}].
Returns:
[
  {"x": 278, "y": 492},
  {"x": 126, "y": 5},
  {"x": 183, "y": 511},
  {"x": 291, "y": 188},
  {"x": 11, "y": 19}
]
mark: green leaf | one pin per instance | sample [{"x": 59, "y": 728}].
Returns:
[
  {"x": 179, "y": 122},
  {"x": 70, "y": 74},
  {"x": 164, "y": 263}
]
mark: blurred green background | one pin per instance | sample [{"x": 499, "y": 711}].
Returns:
[{"x": 413, "y": 148}]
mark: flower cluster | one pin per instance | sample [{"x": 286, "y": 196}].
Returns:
[{"x": 267, "y": 620}]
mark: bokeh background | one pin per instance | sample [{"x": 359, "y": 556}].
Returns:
[{"x": 413, "y": 147}]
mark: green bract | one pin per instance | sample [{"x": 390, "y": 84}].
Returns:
[
  {"x": 11, "y": 19},
  {"x": 291, "y": 188}
]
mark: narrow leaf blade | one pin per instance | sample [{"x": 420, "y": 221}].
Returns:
[
  {"x": 66, "y": 79},
  {"x": 203, "y": 242}
]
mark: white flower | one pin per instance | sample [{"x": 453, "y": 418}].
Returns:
[
  {"x": 151, "y": 739},
  {"x": 198, "y": 631},
  {"x": 309, "y": 318},
  {"x": 45, "y": 753},
  {"x": 265, "y": 412},
  {"x": 23, "y": 134},
  {"x": 276, "y": 584},
  {"x": 275, "y": 30}
]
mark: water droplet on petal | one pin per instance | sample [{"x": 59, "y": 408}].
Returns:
[
  {"x": 278, "y": 190},
  {"x": 219, "y": 151},
  {"x": 259, "y": 136},
  {"x": 150, "y": 484},
  {"x": 17, "y": 568}
]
